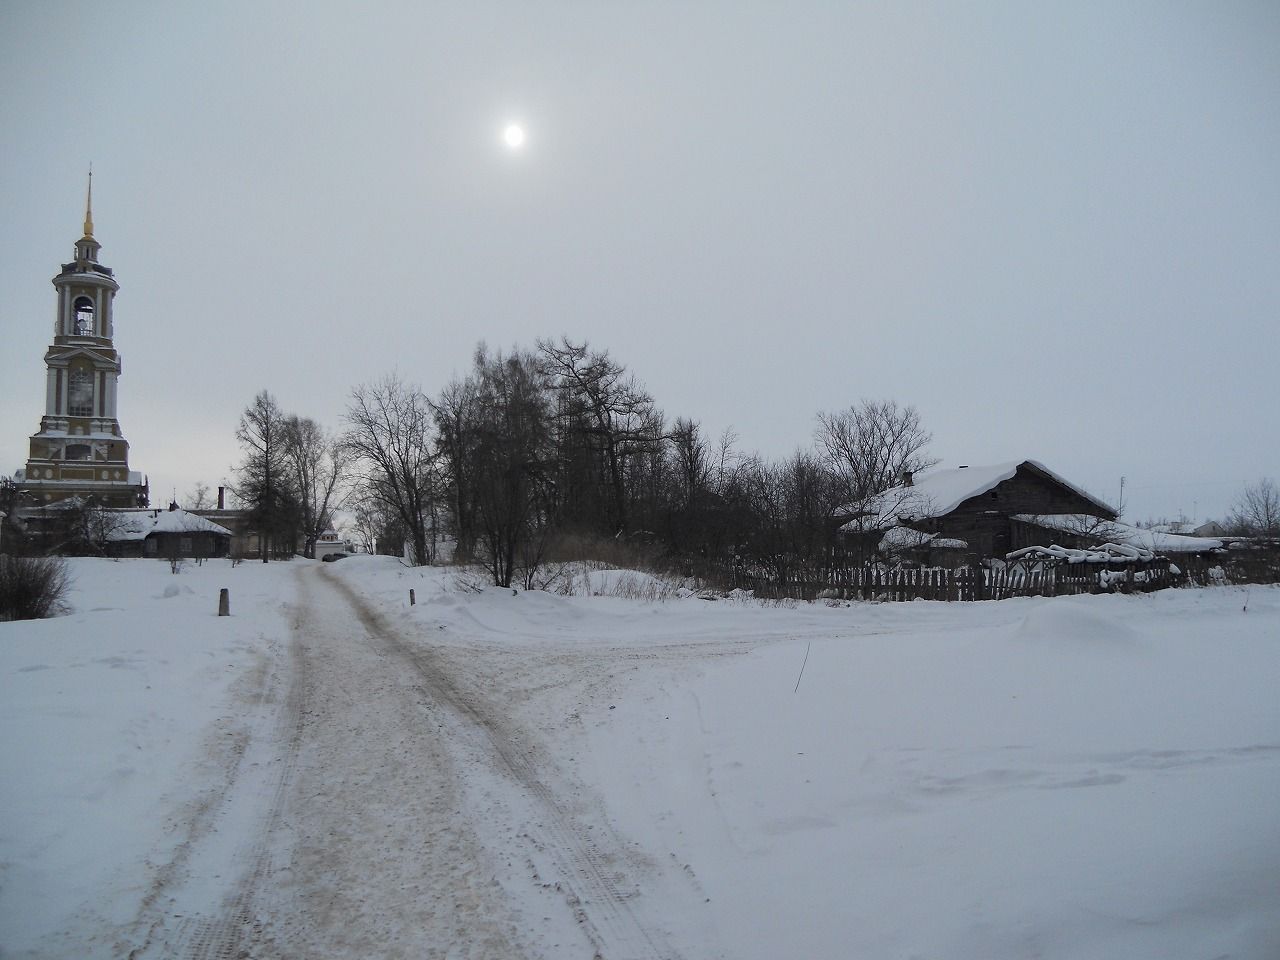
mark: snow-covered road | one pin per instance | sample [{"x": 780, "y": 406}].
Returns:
[{"x": 400, "y": 810}]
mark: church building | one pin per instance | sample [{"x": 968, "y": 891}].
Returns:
[{"x": 80, "y": 451}]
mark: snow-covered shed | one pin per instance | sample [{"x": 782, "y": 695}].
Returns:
[
  {"x": 976, "y": 505},
  {"x": 165, "y": 533}
]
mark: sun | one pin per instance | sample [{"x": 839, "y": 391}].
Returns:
[{"x": 513, "y": 136}]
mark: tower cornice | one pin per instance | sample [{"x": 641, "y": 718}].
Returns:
[{"x": 96, "y": 275}]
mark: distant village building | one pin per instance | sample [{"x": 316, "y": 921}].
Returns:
[
  {"x": 80, "y": 450},
  {"x": 1211, "y": 528}
]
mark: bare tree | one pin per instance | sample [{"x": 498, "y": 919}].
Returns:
[
  {"x": 605, "y": 418},
  {"x": 1257, "y": 511},
  {"x": 319, "y": 464},
  {"x": 263, "y": 479},
  {"x": 870, "y": 445},
  {"x": 693, "y": 466},
  {"x": 389, "y": 439},
  {"x": 455, "y": 416},
  {"x": 80, "y": 527},
  {"x": 374, "y": 525},
  {"x": 790, "y": 506},
  {"x": 709, "y": 495},
  {"x": 868, "y": 448},
  {"x": 511, "y": 456},
  {"x": 198, "y": 498}
]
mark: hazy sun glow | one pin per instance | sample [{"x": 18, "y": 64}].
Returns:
[{"x": 513, "y": 136}]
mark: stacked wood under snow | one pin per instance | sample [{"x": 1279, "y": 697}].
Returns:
[{"x": 1103, "y": 553}]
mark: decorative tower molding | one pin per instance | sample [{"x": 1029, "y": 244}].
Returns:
[{"x": 80, "y": 451}]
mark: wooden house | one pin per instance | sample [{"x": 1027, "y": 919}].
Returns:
[{"x": 974, "y": 511}]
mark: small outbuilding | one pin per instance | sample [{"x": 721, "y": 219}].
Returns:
[{"x": 167, "y": 534}]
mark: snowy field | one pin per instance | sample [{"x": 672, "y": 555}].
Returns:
[{"x": 489, "y": 774}]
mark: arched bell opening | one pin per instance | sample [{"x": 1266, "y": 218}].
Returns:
[{"x": 84, "y": 317}]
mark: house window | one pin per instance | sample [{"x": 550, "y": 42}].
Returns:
[
  {"x": 84, "y": 317},
  {"x": 184, "y": 545},
  {"x": 80, "y": 394}
]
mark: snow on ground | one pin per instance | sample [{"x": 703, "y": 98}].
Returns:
[
  {"x": 120, "y": 718},
  {"x": 1074, "y": 777}
]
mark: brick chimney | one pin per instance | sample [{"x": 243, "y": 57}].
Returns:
[
  {"x": 907, "y": 480},
  {"x": 222, "y": 498}
]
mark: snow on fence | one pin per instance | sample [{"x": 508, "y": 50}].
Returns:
[
  {"x": 1034, "y": 571},
  {"x": 963, "y": 583}
]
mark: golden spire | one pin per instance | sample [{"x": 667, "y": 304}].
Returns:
[{"x": 88, "y": 207}]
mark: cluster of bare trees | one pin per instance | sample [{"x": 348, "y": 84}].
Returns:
[
  {"x": 535, "y": 448},
  {"x": 290, "y": 477},
  {"x": 390, "y": 443}
]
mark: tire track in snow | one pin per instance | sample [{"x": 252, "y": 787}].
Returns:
[
  {"x": 591, "y": 887},
  {"x": 225, "y": 935},
  {"x": 377, "y": 854}
]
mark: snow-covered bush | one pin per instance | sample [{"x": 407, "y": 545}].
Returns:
[{"x": 32, "y": 588}]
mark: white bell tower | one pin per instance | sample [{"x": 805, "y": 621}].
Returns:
[{"x": 80, "y": 450}]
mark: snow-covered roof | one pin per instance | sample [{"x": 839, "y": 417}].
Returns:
[
  {"x": 139, "y": 524},
  {"x": 1119, "y": 532},
  {"x": 938, "y": 493}
]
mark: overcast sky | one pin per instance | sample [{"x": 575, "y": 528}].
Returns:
[{"x": 1054, "y": 229}]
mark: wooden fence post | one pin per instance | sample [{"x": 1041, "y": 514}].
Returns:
[
  {"x": 412, "y": 600},
  {"x": 224, "y": 602}
]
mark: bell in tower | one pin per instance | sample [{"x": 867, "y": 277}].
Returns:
[{"x": 80, "y": 450}]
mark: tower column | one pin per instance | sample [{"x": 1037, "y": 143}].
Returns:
[{"x": 51, "y": 393}]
